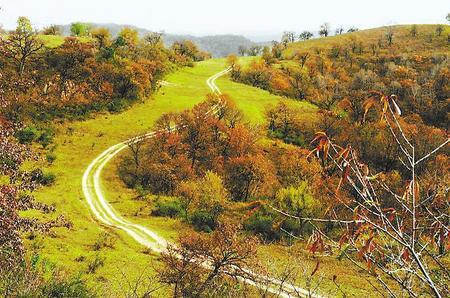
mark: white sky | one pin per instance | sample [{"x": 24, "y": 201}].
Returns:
[{"x": 249, "y": 17}]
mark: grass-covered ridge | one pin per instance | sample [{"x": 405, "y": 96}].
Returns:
[{"x": 425, "y": 40}]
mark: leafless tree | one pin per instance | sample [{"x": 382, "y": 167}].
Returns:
[
  {"x": 324, "y": 29},
  {"x": 390, "y": 35},
  {"x": 242, "y": 50},
  {"x": 401, "y": 237},
  {"x": 288, "y": 37}
]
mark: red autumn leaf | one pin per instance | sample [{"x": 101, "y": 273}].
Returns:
[
  {"x": 344, "y": 177},
  {"x": 406, "y": 256},
  {"x": 316, "y": 268}
]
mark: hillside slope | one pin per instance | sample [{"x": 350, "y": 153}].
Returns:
[
  {"x": 78, "y": 247},
  {"x": 402, "y": 41}
]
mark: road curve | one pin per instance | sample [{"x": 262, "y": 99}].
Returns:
[{"x": 107, "y": 215}]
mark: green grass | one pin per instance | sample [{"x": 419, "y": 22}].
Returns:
[
  {"x": 53, "y": 41},
  {"x": 352, "y": 281},
  {"x": 78, "y": 143},
  {"x": 253, "y": 101}
]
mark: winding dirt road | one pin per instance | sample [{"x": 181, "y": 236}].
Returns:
[{"x": 107, "y": 215}]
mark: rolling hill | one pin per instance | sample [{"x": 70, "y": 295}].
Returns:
[
  {"x": 217, "y": 45},
  {"x": 425, "y": 40}
]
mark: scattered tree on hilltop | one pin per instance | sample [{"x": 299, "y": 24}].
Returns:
[
  {"x": 288, "y": 37},
  {"x": 439, "y": 30},
  {"x": 21, "y": 44},
  {"x": 305, "y": 35},
  {"x": 339, "y": 31},
  {"x": 242, "y": 50},
  {"x": 255, "y": 50},
  {"x": 80, "y": 29},
  {"x": 413, "y": 30},
  {"x": 324, "y": 30},
  {"x": 390, "y": 35},
  {"x": 52, "y": 30},
  {"x": 154, "y": 38}
]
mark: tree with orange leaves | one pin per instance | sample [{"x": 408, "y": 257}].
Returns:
[
  {"x": 400, "y": 233},
  {"x": 209, "y": 265}
]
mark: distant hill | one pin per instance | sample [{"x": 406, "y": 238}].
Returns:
[{"x": 217, "y": 45}]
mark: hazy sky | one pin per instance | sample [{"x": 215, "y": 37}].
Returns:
[{"x": 249, "y": 17}]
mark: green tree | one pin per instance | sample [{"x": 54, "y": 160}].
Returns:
[
  {"x": 305, "y": 35},
  {"x": 22, "y": 44},
  {"x": 206, "y": 193},
  {"x": 103, "y": 37},
  {"x": 298, "y": 199},
  {"x": 129, "y": 36},
  {"x": 80, "y": 29}
]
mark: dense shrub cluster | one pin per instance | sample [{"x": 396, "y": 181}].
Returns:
[{"x": 213, "y": 162}]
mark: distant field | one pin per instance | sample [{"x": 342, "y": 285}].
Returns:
[{"x": 52, "y": 41}]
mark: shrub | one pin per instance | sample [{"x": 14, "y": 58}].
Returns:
[
  {"x": 48, "y": 179},
  {"x": 262, "y": 225},
  {"x": 295, "y": 227},
  {"x": 26, "y": 135},
  {"x": 97, "y": 262},
  {"x": 43, "y": 178},
  {"x": 172, "y": 208},
  {"x": 298, "y": 199},
  {"x": 206, "y": 220},
  {"x": 104, "y": 240},
  {"x": 50, "y": 157},
  {"x": 66, "y": 287},
  {"x": 117, "y": 105},
  {"x": 46, "y": 138},
  {"x": 34, "y": 278}
]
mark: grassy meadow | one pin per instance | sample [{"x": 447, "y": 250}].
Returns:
[{"x": 78, "y": 143}]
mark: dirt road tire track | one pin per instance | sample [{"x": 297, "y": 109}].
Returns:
[{"x": 106, "y": 214}]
